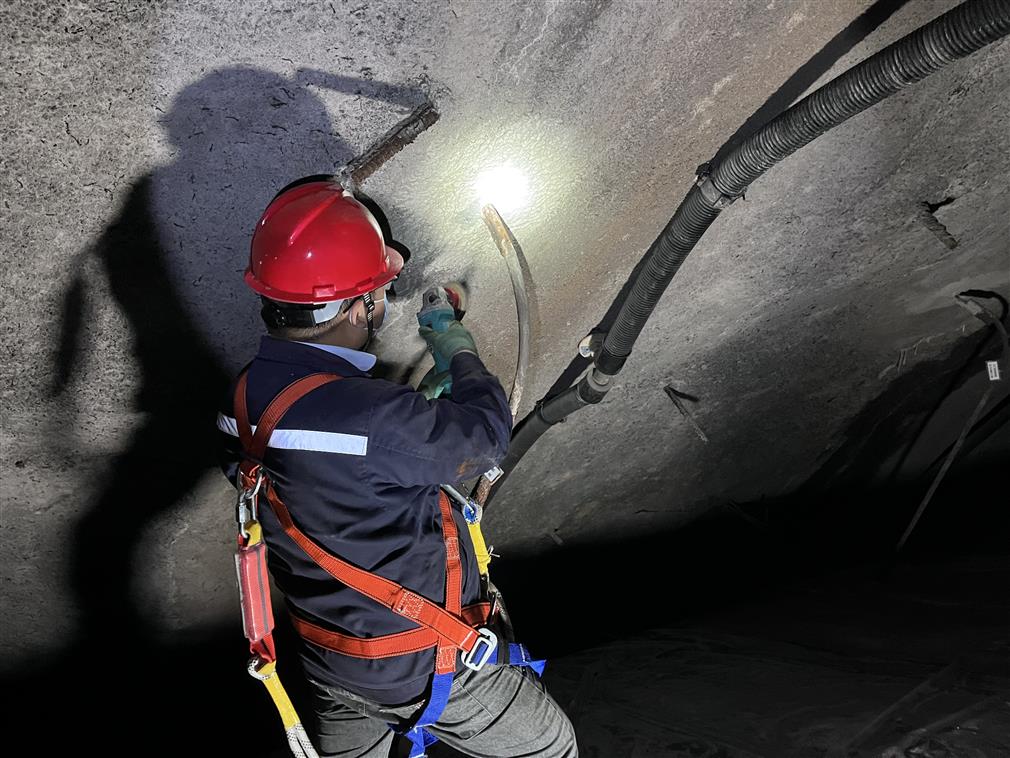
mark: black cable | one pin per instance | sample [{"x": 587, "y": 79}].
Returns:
[
  {"x": 985, "y": 316},
  {"x": 956, "y": 34}
]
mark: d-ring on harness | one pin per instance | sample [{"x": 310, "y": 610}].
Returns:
[{"x": 446, "y": 629}]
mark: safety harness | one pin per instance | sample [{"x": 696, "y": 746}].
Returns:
[{"x": 448, "y": 629}]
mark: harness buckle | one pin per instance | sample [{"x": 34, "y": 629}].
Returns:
[
  {"x": 483, "y": 649},
  {"x": 247, "y": 508}
]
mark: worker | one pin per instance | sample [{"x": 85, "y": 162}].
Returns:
[{"x": 356, "y": 465}]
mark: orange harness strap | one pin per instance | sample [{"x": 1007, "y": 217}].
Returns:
[
  {"x": 444, "y": 626},
  {"x": 402, "y": 643},
  {"x": 451, "y": 629}
]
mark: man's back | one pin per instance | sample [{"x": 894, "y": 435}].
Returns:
[{"x": 358, "y": 463}]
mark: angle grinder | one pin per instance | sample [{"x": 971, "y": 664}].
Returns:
[{"x": 440, "y": 306}]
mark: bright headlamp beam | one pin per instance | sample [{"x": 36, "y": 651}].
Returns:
[{"x": 504, "y": 187}]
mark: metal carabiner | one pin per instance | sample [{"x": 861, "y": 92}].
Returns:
[
  {"x": 247, "y": 508},
  {"x": 472, "y": 511}
]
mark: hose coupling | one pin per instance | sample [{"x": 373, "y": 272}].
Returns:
[{"x": 712, "y": 194}]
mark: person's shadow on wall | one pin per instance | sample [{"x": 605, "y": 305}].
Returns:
[{"x": 173, "y": 259}]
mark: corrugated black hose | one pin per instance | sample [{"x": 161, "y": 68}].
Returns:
[{"x": 956, "y": 34}]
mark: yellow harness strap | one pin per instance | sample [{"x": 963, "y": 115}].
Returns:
[
  {"x": 480, "y": 550},
  {"x": 271, "y": 679},
  {"x": 298, "y": 739}
]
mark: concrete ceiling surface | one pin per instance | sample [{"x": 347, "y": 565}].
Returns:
[{"x": 799, "y": 306}]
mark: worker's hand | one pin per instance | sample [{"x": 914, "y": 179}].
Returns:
[{"x": 455, "y": 339}]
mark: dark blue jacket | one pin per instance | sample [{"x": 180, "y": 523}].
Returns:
[{"x": 358, "y": 463}]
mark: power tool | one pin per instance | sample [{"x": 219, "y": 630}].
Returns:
[{"x": 440, "y": 306}]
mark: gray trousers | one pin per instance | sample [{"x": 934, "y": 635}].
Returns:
[{"x": 497, "y": 712}]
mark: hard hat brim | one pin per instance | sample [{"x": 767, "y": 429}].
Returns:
[{"x": 394, "y": 264}]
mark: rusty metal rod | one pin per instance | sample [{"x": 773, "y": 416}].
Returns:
[{"x": 388, "y": 145}]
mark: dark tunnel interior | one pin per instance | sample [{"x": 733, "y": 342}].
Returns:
[
  {"x": 766, "y": 581},
  {"x": 801, "y": 623}
]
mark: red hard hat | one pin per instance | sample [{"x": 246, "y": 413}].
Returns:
[{"x": 316, "y": 244}]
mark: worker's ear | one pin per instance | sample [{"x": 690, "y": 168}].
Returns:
[{"x": 356, "y": 314}]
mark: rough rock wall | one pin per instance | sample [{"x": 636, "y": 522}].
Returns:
[{"x": 143, "y": 140}]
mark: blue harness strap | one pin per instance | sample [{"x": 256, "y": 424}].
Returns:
[
  {"x": 421, "y": 738},
  {"x": 441, "y": 685},
  {"x": 518, "y": 655}
]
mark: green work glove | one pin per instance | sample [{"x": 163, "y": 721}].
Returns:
[{"x": 455, "y": 339}]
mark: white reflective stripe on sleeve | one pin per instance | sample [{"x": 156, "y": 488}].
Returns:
[
  {"x": 227, "y": 424},
  {"x": 304, "y": 439}
]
